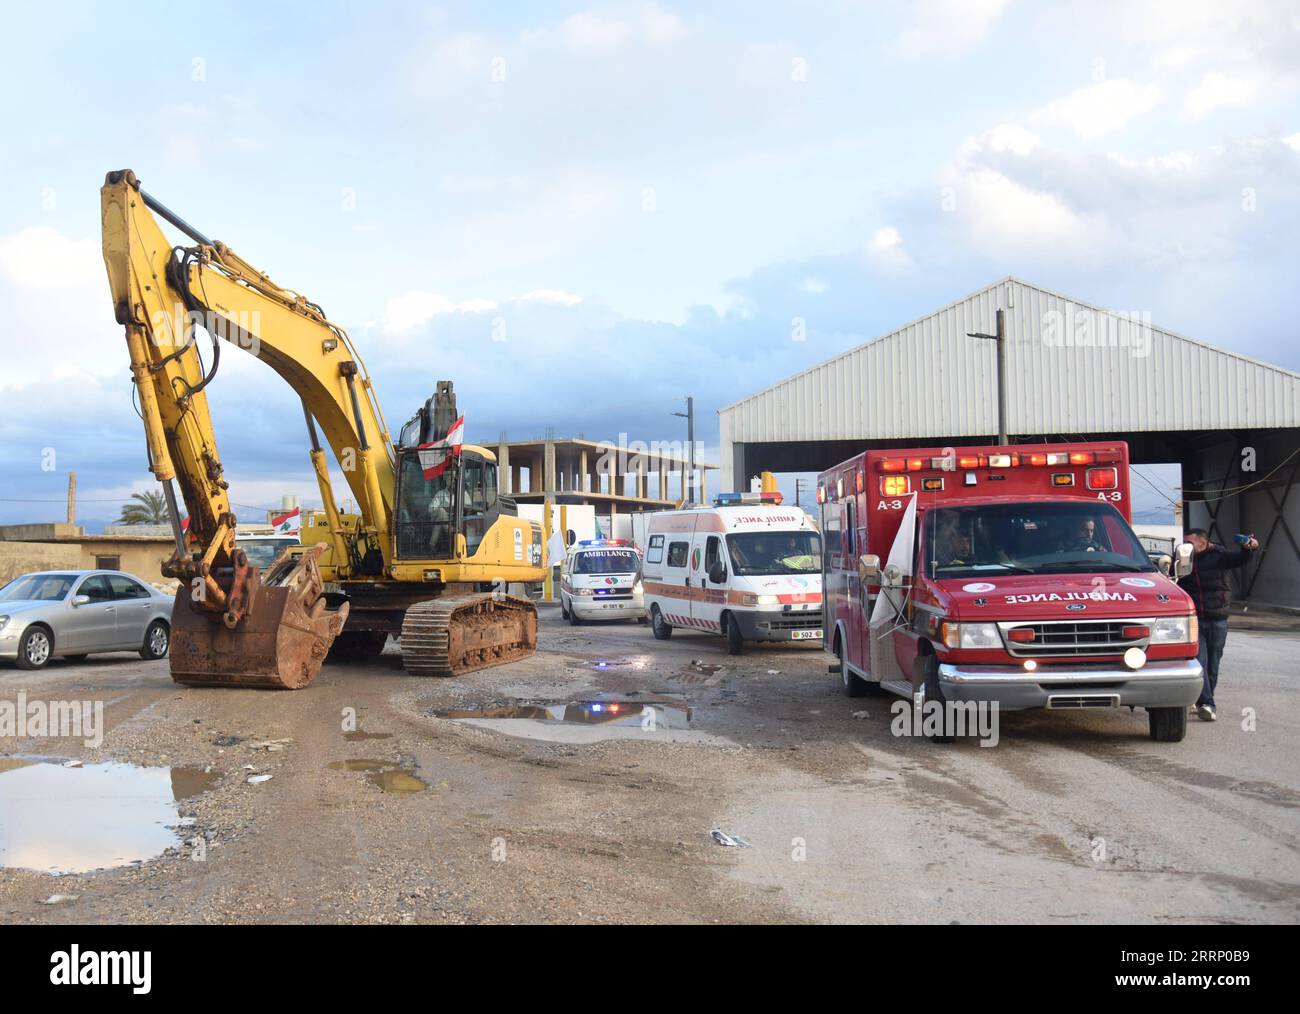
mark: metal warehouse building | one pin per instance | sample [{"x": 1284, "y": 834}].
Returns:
[{"x": 1074, "y": 372}]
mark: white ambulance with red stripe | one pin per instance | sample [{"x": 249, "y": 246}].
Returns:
[{"x": 747, "y": 568}]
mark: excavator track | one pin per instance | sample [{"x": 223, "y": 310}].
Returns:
[{"x": 452, "y": 636}]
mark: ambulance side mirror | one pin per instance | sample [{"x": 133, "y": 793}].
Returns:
[
  {"x": 1166, "y": 564},
  {"x": 718, "y": 573},
  {"x": 1183, "y": 559},
  {"x": 893, "y": 576},
  {"x": 869, "y": 566},
  {"x": 570, "y": 537}
]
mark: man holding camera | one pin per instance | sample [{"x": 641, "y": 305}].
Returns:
[{"x": 1207, "y": 584}]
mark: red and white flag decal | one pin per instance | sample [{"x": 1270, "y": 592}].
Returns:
[
  {"x": 288, "y": 524},
  {"x": 436, "y": 456}
]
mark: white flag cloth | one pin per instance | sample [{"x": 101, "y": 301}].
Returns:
[
  {"x": 890, "y": 600},
  {"x": 288, "y": 524}
]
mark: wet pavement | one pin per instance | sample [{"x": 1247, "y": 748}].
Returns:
[{"x": 538, "y": 792}]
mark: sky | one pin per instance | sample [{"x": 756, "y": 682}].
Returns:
[{"x": 583, "y": 212}]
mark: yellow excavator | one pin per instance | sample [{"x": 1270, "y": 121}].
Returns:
[{"x": 429, "y": 554}]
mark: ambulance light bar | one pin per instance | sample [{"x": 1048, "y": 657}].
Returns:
[
  {"x": 1011, "y": 459},
  {"x": 736, "y": 499},
  {"x": 606, "y": 542}
]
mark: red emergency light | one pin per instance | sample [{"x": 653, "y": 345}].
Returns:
[{"x": 1103, "y": 478}]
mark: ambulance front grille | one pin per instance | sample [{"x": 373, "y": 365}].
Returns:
[
  {"x": 1072, "y": 638},
  {"x": 801, "y": 621}
]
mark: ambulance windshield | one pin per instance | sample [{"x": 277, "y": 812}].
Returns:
[
  {"x": 1031, "y": 538},
  {"x": 757, "y": 553},
  {"x": 606, "y": 561}
]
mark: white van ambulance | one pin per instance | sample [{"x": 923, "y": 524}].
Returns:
[
  {"x": 601, "y": 580},
  {"x": 747, "y": 568}
]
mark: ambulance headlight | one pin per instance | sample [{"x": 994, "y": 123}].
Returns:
[
  {"x": 971, "y": 635},
  {"x": 762, "y": 600},
  {"x": 584, "y": 591},
  {"x": 1172, "y": 630}
]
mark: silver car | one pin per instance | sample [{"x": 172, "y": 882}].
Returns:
[{"x": 73, "y": 613}]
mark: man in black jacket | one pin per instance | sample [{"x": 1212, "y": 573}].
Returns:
[{"x": 1207, "y": 584}]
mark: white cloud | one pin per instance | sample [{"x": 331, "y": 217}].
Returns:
[
  {"x": 1292, "y": 141},
  {"x": 412, "y": 310},
  {"x": 1100, "y": 109},
  {"x": 886, "y": 248},
  {"x": 1217, "y": 89},
  {"x": 613, "y": 27},
  {"x": 950, "y": 26},
  {"x": 1009, "y": 137},
  {"x": 555, "y": 296}
]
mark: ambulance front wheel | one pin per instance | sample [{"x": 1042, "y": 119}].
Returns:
[
  {"x": 928, "y": 666},
  {"x": 735, "y": 643},
  {"x": 659, "y": 625}
]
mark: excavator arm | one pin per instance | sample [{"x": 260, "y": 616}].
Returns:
[{"x": 164, "y": 296}]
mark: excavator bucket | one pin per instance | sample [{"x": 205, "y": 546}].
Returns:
[{"x": 279, "y": 643}]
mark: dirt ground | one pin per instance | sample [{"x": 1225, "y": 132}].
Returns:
[{"x": 1071, "y": 817}]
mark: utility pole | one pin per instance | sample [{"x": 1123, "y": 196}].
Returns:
[
  {"x": 797, "y": 483},
  {"x": 72, "y": 498},
  {"x": 689, "y": 416},
  {"x": 1001, "y": 338}
]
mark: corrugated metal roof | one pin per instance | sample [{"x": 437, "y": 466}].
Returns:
[{"x": 1071, "y": 368}]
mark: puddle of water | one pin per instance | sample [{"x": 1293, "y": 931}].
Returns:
[
  {"x": 385, "y": 775},
  {"x": 667, "y": 714},
  {"x": 637, "y": 662},
  {"x": 77, "y": 819},
  {"x": 359, "y": 735}
]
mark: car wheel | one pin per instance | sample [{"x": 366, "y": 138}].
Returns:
[
  {"x": 659, "y": 625},
  {"x": 157, "y": 639},
  {"x": 573, "y": 617},
  {"x": 1168, "y": 725},
  {"x": 35, "y": 648},
  {"x": 735, "y": 643},
  {"x": 564, "y": 608},
  {"x": 854, "y": 686}
]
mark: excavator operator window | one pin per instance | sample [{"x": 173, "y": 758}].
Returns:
[
  {"x": 424, "y": 512},
  {"x": 479, "y": 480}
]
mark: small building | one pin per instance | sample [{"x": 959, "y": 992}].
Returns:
[
  {"x": 623, "y": 478},
  {"x": 136, "y": 549}
]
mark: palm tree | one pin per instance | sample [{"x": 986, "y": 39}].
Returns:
[{"x": 145, "y": 509}]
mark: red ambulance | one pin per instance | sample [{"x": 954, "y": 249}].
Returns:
[{"x": 1005, "y": 574}]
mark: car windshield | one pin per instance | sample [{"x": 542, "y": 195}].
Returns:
[
  {"x": 262, "y": 551},
  {"x": 38, "y": 587},
  {"x": 757, "y": 553},
  {"x": 1031, "y": 538},
  {"x": 606, "y": 561}
]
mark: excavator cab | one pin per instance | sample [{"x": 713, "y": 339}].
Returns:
[{"x": 431, "y": 512}]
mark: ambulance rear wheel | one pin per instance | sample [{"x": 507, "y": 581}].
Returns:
[
  {"x": 854, "y": 686},
  {"x": 735, "y": 643},
  {"x": 564, "y": 608},
  {"x": 573, "y": 617},
  {"x": 659, "y": 625}
]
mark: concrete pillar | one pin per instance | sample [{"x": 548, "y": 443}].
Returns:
[
  {"x": 663, "y": 482},
  {"x": 585, "y": 475},
  {"x": 504, "y": 478}
]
